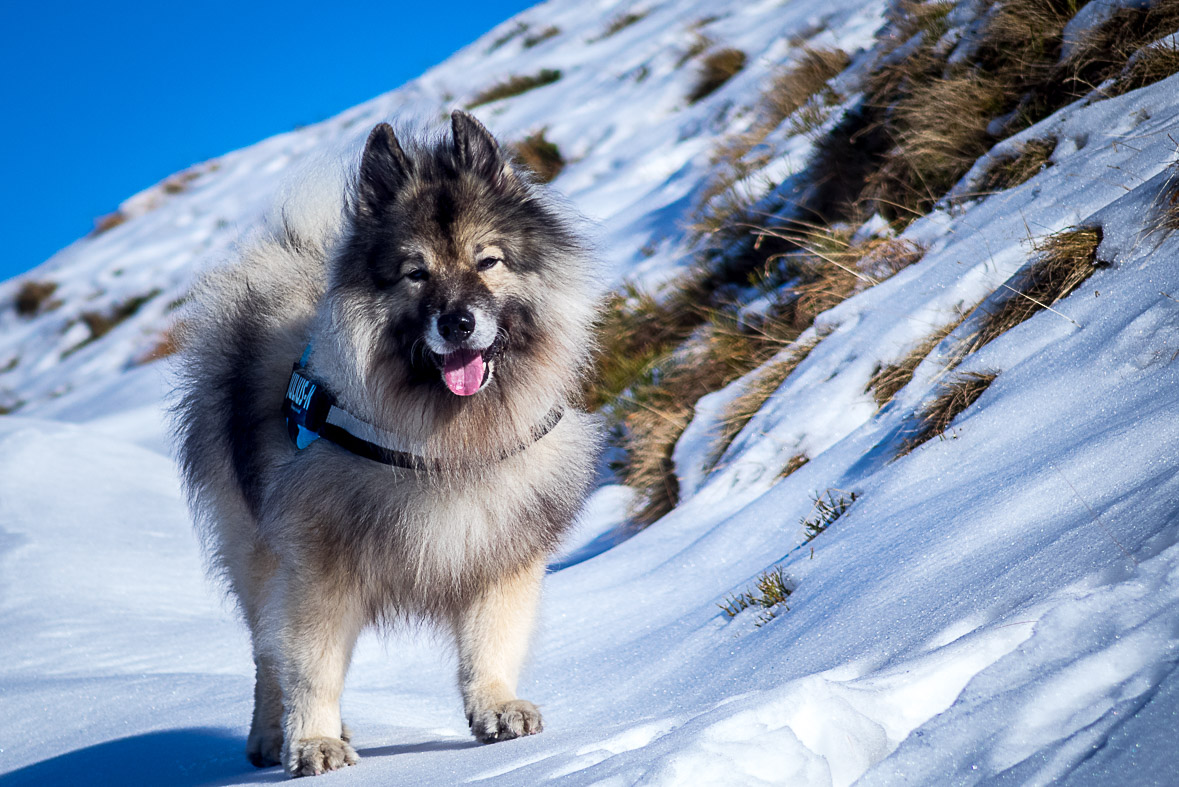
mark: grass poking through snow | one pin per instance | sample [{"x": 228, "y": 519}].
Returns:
[
  {"x": 952, "y": 398},
  {"x": 828, "y": 506},
  {"x": 33, "y": 297},
  {"x": 1009, "y": 171},
  {"x": 769, "y": 594},
  {"x": 514, "y": 86},
  {"x": 540, "y": 155},
  {"x": 1065, "y": 260},
  {"x": 717, "y": 68},
  {"x": 890, "y": 378}
]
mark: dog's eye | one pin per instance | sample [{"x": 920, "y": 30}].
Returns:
[
  {"x": 417, "y": 274},
  {"x": 487, "y": 263}
]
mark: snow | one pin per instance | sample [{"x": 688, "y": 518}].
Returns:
[{"x": 1000, "y": 605}]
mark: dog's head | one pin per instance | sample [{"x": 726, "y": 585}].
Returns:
[{"x": 454, "y": 262}]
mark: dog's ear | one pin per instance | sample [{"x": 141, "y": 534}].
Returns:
[
  {"x": 475, "y": 148},
  {"x": 384, "y": 167}
]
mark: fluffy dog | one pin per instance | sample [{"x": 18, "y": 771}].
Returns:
[{"x": 424, "y": 457}]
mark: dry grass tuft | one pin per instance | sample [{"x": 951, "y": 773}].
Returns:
[
  {"x": 659, "y": 357},
  {"x": 952, "y": 398},
  {"x": 1104, "y": 52},
  {"x": 33, "y": 296},
  {"x": 1166, "y": 204},
  {"x": 1065, "y": 261},
  {"x": 656, "y": 409},
  {"x": 102, "y": 323},
  {"x": 1149, "y": 65},
  {"x": 717, "y": 68},
  {"x": 637, "y": 331},
  {"x": 178, "y": 183},
  {"x": 827, "y": 268},
  {"x": 540, "y": 155},
  {"x": 828, "y": 507},
  {"x": 939, "y": 131},
  {"x": 541, "y": 37},
  {"x": 514, "y": 86},
  {"x": 757, "y": 392},
  {"x": 792, "y": 464},
  {"x": 770, "y": 592},
  {"x": 721, "y": 205},
  {"x": 1017, "y": 168},
  {"x": 108, "y": 222},
  {"x": 620, "y": 23},
  {"x": 890, "y": 378},
  {"x": 518, "y": 30}
]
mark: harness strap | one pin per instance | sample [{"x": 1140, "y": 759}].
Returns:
[{"x": 311, "y": 413}]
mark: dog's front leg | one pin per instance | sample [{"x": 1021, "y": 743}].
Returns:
[
  {"x": 320, "y": 621},
  {"x": 493, "y": 634}
]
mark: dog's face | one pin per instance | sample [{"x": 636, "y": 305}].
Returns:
[{"x": 446, "y": 255}]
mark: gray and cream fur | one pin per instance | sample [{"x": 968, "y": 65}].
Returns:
[{"x": 316, "y": 544}]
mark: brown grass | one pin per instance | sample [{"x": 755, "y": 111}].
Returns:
[
  {"x": 620, "y": 23},
  {"x": 720, "y": 205},
  {"x": 925, "y": 121},
  {"x": 102, "y": 323},
  {"x": 827, "y": 268},
  {"x": 33, "y": 296},
  {"x": 657, "y": 383},
  {"x": 952, "y": 398},
  {"x": 1149, "y": 65},
  {"x": 826, "y": 508},
  {"x": 541, "y": 37},
  {"x": 792, "y": 464},
  {"x": 1016, "y": 168},
  {"x": 717, "y": 68},
  {"x": 939, "y": 131},
  {"x": 769, "y": 593},
  {"x": 637, "y": 331},
  {"x": 514, "y": 86},
  {"x": 656, "y": 409},
  {"x": 1064, "y": 261},
  {"x": 108, "y": 222},
  {"x": 757, "y": 392},
  {"x": 540, "y": 155},
  {"x": 890, "y": 378},
  {"x": 518, "y": 30},
  {"x": 178, "y": 183},
  {"x": 1166, "y": 203},
  {"x": 1104, "y": 52}
]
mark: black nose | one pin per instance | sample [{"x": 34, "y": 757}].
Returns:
[{"x": 456, "y": 326}]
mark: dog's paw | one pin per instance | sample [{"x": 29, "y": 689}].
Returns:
[
  {"x": 264, "y": 746},
  {"x": 313, "y": 756},
  {"x": 505, "y": 721}
]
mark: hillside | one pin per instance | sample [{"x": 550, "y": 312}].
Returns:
[{"x": 891, "y": 381}]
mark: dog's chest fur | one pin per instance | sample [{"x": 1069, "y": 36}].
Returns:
[{"x": 421, "y": 542}]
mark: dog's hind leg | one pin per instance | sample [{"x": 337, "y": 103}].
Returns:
[
  {"x": 264, "y": 746},
  {"x": 251, "y": 580},
  {"x": 319, "y": 622},
  {"x": 492, "y": 634}
]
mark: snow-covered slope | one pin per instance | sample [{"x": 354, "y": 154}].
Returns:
[{"x": 999, "y": 605}]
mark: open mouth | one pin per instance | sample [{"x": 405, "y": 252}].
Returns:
[{"x": 465, "y": 372}]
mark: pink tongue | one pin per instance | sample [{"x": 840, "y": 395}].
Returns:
[{"x": 462, "y": 371}]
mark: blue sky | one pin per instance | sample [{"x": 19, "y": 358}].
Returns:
[{"x": 100, "y": 100}]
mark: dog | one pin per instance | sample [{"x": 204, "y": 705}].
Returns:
[{"x": 376, "y": 422}]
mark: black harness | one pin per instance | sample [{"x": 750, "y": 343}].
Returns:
[{"x": 311, "y": 413}]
